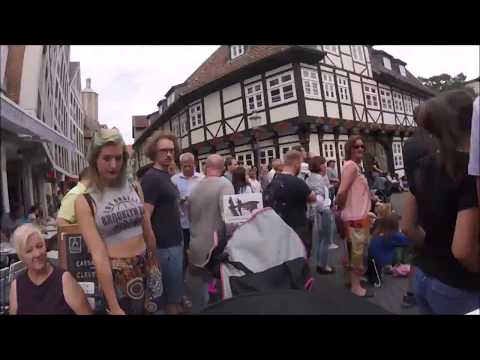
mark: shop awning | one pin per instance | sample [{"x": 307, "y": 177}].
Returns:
[{"x": 18, "y": 121}]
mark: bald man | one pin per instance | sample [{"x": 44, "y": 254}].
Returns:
[
  {"x": 186, "y": 180},
  {"x": 206, "y": 217}
]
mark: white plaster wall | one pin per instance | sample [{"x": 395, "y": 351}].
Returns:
[
  {"x": 357, "y": 92},
  {"x": 288, "y": 139},
  {"x": 314, "y": 147},
  {"x": 185, "y": 142},
  {"x": 252, "y": 79},
  {"x": 212, "y": 107},
  {"x": 30, "y": 82},
  {"x": 327, "y": 137},
  {"x": 347, "y": 112},
  {"x": 284, "y": 112},
  {"x": 263, "y": 120},
  {"x": 197, "y": 135},
  {"x": 233, "y": 123},
  {"x": 231, "y": 92},
  {"x": 345, "y": 49},
  {"x": 233, "y": 108},
  {"x": 314, "y": 108},
  {"x": 332, "y": 110},
  {"x": 388, "y": 118}
]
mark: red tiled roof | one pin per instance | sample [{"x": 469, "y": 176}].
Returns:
[{"x": 219, "y": 64}]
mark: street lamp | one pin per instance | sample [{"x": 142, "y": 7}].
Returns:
[{"x": 255, "y": 122}]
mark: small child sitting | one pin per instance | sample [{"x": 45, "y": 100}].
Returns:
[{"x": 386, "y": 239}]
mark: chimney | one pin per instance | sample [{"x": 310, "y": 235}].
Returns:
[{"x": 89, "y": 83}]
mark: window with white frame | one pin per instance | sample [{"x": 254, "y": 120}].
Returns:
[
  {"x": 357, "y": 53},
  {"x": 267, "y": 155},
  {"x": 311, "y": 86},
  {"x": 328, "y": 150},
  {"x": 397, "y": 155},
  {"x": 281, "y": 89},
  {"x": 254, "y": 95},
  {"x": 343, "y": 90},
  {"x": 402, "y": 70},
  {"x": 246, "y": 158},
  {"x": 341, "y": 151},
  {"x": 331, "y": 48},
  {"x": 408, "y": 104},
  {"x": 236, "y": 51},
  {"x": 398, "y": 102},
  {"x": 329, "y": 86},
  {"x": 196, "y": 118},
  {"x": 386, "y": 99},
  {"x": 176, "y": 127},
  {"x": 284, "y": 149},
  {"x": 387, "y": 63},
  {"x": 371, "y": 96}
]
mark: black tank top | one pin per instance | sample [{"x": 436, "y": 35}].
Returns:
[{"x": 46, "y": 298}]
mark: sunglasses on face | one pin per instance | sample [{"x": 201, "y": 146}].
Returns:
[{"x": 359, "y": 147}]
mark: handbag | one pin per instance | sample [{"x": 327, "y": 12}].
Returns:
[{"x": 154, "y": 284}]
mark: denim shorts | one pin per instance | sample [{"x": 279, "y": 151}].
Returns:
[
  {"x": 436, "y": 297},
  {"x": 171, "y": 263}
]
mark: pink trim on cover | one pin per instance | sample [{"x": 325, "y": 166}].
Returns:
[
  {"x": 309, "y": 283},
  {"x": 221, "y": 279}
]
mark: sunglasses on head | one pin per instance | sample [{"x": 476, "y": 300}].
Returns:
[{"x": 359, "y": 146}]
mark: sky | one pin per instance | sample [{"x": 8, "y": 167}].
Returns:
[{"x": 130, "y": 80}]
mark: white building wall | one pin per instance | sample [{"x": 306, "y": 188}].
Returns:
[
  {"x": 232, "y": 92},
  {"x": 332, "y": 110},
  {"x": 314, "y": 108},
  {"x": 3, "y": 64},
  {"x": 30, "y": 82},
  {"x": 233, "y": 108},
  {"x": 313, "y": 145},
  {"x": 212, "y": 107},
  {"x": 284, "y": 112}
]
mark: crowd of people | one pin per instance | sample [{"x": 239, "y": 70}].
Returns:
[{"x": 160, "y": 233}]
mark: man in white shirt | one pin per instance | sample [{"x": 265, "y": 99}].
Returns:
[{"x": 186, "y": 181}]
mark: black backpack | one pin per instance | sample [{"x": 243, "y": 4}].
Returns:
[{"x": 271, "y": 197}]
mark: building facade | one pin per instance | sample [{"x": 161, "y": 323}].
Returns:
[
  {"x": 257, "y": 102},
  {"x": 475, "y": 85},
  {"x": 42, "y": 123}
]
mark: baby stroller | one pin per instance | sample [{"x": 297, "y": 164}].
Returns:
[{"x": 264, "y": 254}]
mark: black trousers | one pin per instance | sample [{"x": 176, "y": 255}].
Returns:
[
  {"x": 186, "y": 246},
  {"x": 304, "y": 232}
]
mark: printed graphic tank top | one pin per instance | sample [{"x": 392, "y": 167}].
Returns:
[{"x": 118, "y": 214}]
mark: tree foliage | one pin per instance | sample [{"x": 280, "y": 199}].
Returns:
[{"x": 444, "y": 82}]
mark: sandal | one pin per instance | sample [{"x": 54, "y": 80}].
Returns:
[{"x": 368, "y": 294}]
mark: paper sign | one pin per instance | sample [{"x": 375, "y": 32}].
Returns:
[{"x": 239, "y": 208}]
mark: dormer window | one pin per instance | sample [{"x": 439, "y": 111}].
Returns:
[
  {"x": 387, "y": 63},
  {"x": 402, "y": 70},
  {"x": 236, "y": 51}
]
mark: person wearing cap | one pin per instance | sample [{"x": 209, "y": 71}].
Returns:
[{"x": 116, "y": 229}]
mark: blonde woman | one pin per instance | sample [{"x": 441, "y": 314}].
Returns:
[
  {"x": 43, "y": 288},
  {"x": 113, "y": 223}
]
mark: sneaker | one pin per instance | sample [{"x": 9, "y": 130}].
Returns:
[
  {"x": 409, "y": 300},
  {"x": 333, "y": 247}
]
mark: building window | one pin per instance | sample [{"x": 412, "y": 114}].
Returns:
[
  {"x": 343, "y": 90},
  {"x": 329, "y": 86},
  {"x": 254, "y": 94},
  {"x": 196, "y": 119},
  {"x": 387, "y": 63},
  {"x": 311, "y": 86},
  {"x": 267, "y": 156},
  {"x": 357, "y": 53},
  {"x": 286, "y": 148},
  {"x": 171, "y": 99},
  {"x": 236, "y": 51},
  {"x": 397, "y": 155},
  {"x": 341, "y": 152},
  {"x": 402, "y": 70},
  {"x": 408, "y": 104},
  {"x": 397, "y": 100},
  {"x": 245, "y": 158},
  {"x": 415, "y": 103},
  {"x": 331, "y": 49},
  {"x": 371, "y": 96},
  {"x": 281, "y": 89},
  {"x": 386, "y": 99},
  {"x": 328, "y": 150}
]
